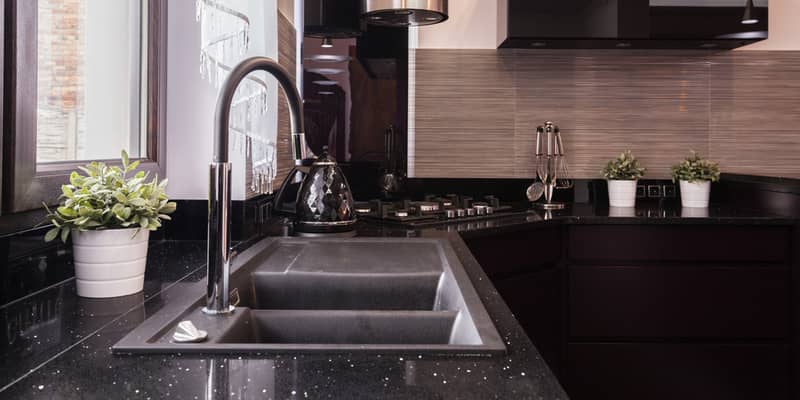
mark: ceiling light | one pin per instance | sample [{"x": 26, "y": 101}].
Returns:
[
  {"x": 325, "y": 83},
  {"x": 325, "y": 71},
  {"x": 749, "y": 18},
  {"x": 326, "y": 43},
  {"x": 328, "y": 58}
]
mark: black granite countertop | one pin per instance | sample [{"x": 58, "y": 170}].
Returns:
[
  {"x": 57, "y": 345},
  {"x": 584, "y": 213},
  {"x": 61, "y": 349}
]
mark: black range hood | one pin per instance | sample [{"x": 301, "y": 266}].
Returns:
[
  {"x": 634, "y": 24},
  {"x": 332, "y": 18},
  {"x": 379, "y": 45}
]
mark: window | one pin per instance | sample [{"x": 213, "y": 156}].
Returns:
[
  {"x": 84, "y": 79},
  {"x": 88, "y": 54}
]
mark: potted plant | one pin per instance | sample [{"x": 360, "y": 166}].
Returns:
[
  {"x": 109, "y": 212},
  {"x": 622, "y": 174},
  {"x": 695, "y": 176}
]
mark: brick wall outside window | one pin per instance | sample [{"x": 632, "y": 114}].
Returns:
[{"x": 61, "y": 54}]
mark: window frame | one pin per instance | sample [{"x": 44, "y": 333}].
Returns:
[{"x": 26, "y": 184}]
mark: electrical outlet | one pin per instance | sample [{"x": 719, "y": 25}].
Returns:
[
  {"x": 641, "y": 191},
  {"x": 669, "y": 191},
  {"x": 654, "y": 191}
]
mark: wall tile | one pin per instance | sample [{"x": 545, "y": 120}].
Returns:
[
  {"x": 755, "y": 112},
  {"x": 464, "y": 114},
  {"x": 605, "y": 103},
  {"x": 755, "y": 91},
  {"x": 765, "y": 152},
  {"x": 287, "y": 58},
  {"x": 660, "y": 104}
]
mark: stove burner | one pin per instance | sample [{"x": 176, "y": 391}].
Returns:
[{"x": 426, "y": 206}]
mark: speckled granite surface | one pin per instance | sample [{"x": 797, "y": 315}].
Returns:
[
  {"x": 66, "y": 353},
  {"x": 57, "y": 345}
]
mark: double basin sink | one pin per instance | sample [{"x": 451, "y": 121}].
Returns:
[{"x": 334, "y": 295}]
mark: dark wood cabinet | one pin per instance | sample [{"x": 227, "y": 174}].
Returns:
[
  {"x": 677, "y": 371},
  {"x": 535, "y": 300},
  {"x": 679, "y": 312},
  {"x": 631, "y": 23},
  {"x": 655, "y": 311},
  {"x": 678, "y": 243},
  {"x": 530, "y": 281},
  {"x": 522, "y": 251},
  {"x": 683, "y": 301}
]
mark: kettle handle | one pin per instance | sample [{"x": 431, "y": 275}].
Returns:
[{"x": 294, "y": 180}]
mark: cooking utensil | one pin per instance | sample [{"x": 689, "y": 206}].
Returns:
[
  {"x": 535, "y": 191},
  {"x": 549, "y": 158},
  {"x": 563, "y": 181},
  {"x": 392, "y": 179}
]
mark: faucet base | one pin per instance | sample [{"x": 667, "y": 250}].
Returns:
[{"x": 209, "y": 311}]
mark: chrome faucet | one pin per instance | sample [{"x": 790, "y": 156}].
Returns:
[{"x": 219, "y": 191}]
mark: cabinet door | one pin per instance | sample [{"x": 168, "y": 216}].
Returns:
[
  {"x": 535, "y": 300},
  {"x": 686, "y": 301},
  {"x": 525, "y": 269},
  {"x": 517, "y": 252},
  {"x": 608, "y": 244},
  {"x": 655, "y": 371}
]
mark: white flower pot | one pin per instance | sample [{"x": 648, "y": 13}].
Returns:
[
  {"x": 626, "y": 212},
  {"x": 622, "y": 193},
  {"x": 695, "y": 194},
  {"x": 109, "y": 263},
  {"x": 694, "y": 212}
]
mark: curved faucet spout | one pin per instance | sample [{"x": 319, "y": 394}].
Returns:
[
  {"x": 223, "y": 114},
  {"x": 219, "y": 191}
]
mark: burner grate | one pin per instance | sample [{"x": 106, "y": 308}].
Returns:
[{"x": 432, "y": 210}]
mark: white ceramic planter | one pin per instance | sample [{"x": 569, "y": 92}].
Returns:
[
  {"x": 694, "y": 212},
  {"x": 621, "y": 193},
  {"x": 695, "y": 194},
  {"x": 109, "y": 263},
  {"x": 625, "y": 212}
]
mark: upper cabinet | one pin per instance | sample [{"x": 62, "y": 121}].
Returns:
[{"x": 652, "y": 24}]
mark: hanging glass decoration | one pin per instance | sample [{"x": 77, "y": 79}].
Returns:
[{"x": 224, "y": 39}]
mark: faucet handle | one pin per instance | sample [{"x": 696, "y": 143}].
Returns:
[{"x": 234, "y": 297}]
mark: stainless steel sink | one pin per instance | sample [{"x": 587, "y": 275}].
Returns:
[{"x": 335, "y": 295}]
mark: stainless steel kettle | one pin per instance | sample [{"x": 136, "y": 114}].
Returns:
[{"x": 323, "y": 202}]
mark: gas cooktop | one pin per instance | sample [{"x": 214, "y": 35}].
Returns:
[{"x": 434, "y": 210}]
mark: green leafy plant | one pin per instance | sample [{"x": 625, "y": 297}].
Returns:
[
  {"x": 694, "y": 168},
  {"x": 625, "y": 167},
  {"x": 106, "y": 198}
]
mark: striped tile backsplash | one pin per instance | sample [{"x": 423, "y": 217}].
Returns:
[{"x": 476, "y": 110}]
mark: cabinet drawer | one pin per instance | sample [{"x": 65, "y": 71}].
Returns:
[
  {"x": 522, "y": 251},
  {"x": 597, "y": 243},
  {"x": 622, "y": 371},
  {"x": 686, "y": 301}
]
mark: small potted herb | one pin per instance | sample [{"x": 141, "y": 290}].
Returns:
[
  {"x": 695, "y": 176},
  {"x": 622, "y": 174},
  {"x": 109, "y": 212}
]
